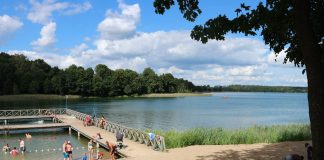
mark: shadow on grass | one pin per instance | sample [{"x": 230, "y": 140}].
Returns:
[{"x": 269, "y": 152}]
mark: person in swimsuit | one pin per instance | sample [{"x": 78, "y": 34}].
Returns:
[
  {"x": 112, "y": 149},
  {"x": 6, "y": 148},
  {"x": 28, "y": 136},
  {"x": 65, "y": 155},
  {"x": 14, "y": 152},
  {"x": 22, "y": 145},
  {"x": 90, "y": 147},
  {"x": 69, "y": 149}
]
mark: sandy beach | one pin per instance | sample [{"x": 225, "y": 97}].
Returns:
[
  {"x": 170, "y": 95},
  {"x": 261, "y": 151}
]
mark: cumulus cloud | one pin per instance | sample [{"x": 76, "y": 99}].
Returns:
[
  {"x": 47, "y": 37},
  {"x": 166, "y": 48},
  {"x": 8, "y": 26},
  {"x": 118, "y": 25},
  {"x": 42, "y": 12}
]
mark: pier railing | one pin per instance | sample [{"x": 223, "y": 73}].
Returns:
[
  {"x": 136, "y": 135},
  {"x": 32, "y": 112}
]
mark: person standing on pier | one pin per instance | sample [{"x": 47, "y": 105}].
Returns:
[
  {"x": 88, "y": 120},
  {"x": 22, "y": 145}
]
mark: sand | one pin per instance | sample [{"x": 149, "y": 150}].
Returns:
[{"x": 261, "y": 151}]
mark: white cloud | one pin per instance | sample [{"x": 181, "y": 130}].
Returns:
[
  {"x": 120, "y": 25},
  {"x": 42, "y": 12},
  {"x": 47, "y": 37},
  {"x": 77, "y": 8},
  {"x": 8, "y": 25},
  {"x": 166, "y": 48},
  {"x": 77, "y": 50},
  {"x": 172, "y": 70}
]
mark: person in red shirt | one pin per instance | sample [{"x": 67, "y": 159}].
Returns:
[{"x": 14, "y": 152}]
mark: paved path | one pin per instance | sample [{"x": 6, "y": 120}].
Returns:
[{"x": 134, "y": 150}]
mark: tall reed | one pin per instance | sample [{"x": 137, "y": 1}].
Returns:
[{"x": 220, "y": 136}]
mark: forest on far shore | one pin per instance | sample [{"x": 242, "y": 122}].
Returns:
[
  {"x": 22, "y": 76},
  {"x": 19, "y": 75}
]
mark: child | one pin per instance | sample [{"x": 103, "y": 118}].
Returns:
[
  {"x": 14, "y": 152},
  {"x": 85, "y": 157}
]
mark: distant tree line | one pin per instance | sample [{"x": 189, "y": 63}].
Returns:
[
  {"x": 18, "y": 75},
  {"x": 250, "y": 88}
]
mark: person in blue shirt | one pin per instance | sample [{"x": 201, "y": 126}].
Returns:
[{"x": 85, "y": 157}]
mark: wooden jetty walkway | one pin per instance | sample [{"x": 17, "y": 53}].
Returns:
[{"x": 137, "y": 141}]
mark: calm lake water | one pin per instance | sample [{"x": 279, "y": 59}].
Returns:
[
  {"x": 228, "y": 110},
  {"x": 44, "y": 145}
]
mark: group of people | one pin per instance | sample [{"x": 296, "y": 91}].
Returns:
[
  {"x": 14, "y": 152},
  {"x": 88, "y": 121},
  {"x": 309, "y": 150}
]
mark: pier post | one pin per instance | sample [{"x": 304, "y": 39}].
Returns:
[
  {"x": 5, "y": 122},
  {"x": 97, "y": 150},
  {"x": 69, "y": 130},
  {"x": 78, "y": 134}
]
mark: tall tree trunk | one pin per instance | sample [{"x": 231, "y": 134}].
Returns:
[{"x": 315, "y": 74}]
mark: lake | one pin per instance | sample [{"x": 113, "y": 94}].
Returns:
[
  {"x": 44, "y": 145},
  {"x": 225, "y": 109}
]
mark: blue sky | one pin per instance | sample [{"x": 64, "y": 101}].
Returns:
[{"x": 128, "y": 34}]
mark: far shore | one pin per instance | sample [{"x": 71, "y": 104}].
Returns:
[{"x": 167, "y": 95}]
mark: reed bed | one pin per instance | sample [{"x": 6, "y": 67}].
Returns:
[{"x": 220, "y": 136}]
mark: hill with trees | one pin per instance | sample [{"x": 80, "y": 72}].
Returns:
[{"x": 18, "y": 75}]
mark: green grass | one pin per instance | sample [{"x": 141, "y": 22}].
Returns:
[{"x": 219, "y": 136}]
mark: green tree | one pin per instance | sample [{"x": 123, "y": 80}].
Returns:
[
  {"x": 71, "y": 77},
  {"x": 7, "y": 76},
  {"x": 102, "y": 80},
  {"x": 292, "y": 26},
  {"x": 168, "y": 82},
  {"x": 152, "y": 81}
]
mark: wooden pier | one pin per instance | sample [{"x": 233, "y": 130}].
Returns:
[{"x": 137, "y": 141}]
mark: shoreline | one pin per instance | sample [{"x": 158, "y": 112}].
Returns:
[
  {"x": 170, "y": 95},
  {"x": 17, "y": 97}
]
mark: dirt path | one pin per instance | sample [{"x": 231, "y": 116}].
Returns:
[{"x": 260, "y": 151}]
